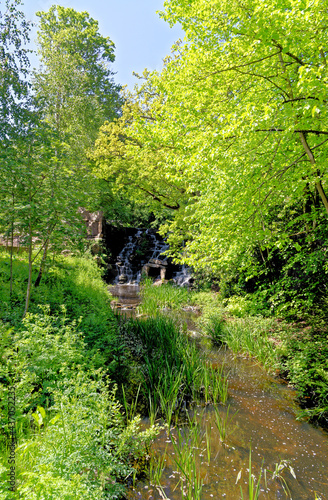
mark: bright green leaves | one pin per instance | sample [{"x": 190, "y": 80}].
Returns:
[
  {"x": 76, "y": 83},
  {"x": 14, "y": 34},
  {"x": 225, "y": 115}
]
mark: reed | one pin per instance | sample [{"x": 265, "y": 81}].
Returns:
[
  {"x": 215, "y": 384},
  {"x": 253, "y": 488},
  {"x": 208, "y": 443},
  {"x": 156, "y": 469},
  {"x": 130, "y": 409},
  {"x": 277, "y": 474},
  {"x": 172, "y": 371},
  {"x": 169, "y": 392},
  {"x": 245, "y": 335},
  {"x": 166, "y": 296},
  {"x": 222, "y": 423},
  {"x": 186, "y": 443}
]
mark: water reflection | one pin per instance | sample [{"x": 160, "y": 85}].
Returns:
[{"x": 265, "y": 418}]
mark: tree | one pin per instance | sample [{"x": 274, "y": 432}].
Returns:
[
  {"x": 14, "y": 109},
  {"x": 14, "y": 64},
  {"x": 75, "y": 83},
  {"x": 257, "y": 91},
  {"x": 241, "y": 117}
]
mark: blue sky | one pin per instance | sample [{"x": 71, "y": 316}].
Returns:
[{"x": 141, "y": 38}]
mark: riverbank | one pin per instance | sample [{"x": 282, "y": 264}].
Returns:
[
  {"x": 297, "y": 351},
  {"x": 206, "y": 454},
  {"x": 67, "y": 435},
  {"x": 81, "y": 375}
]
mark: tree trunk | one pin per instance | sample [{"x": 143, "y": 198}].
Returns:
[
  {"x": 29, "y": 282},
  {"x": 12, "y": 244},
  {"x": 310, "y": 155},
  {"x": 11, "y": 259},
  {"x": 43, "y": 261}
]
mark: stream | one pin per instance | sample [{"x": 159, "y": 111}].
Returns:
[{"x": 263, "y": 410}]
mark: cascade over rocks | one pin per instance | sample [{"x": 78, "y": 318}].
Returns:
[{"x": 136, "y": 252}]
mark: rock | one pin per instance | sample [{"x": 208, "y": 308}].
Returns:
[
  {"x": 122, "y": 279},
  {"x": 94, "y": 223},
  {"x": 158, "y": 262}
]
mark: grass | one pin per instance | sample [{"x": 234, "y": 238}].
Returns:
[
  {"x": 186, "y": 444},
  {"x": 223, "y": 423},
  {"x": 171, "y": 370},
  {"x": 297, "y": 351},
  {"x": 254, "y": 485},
  {"x": 72, "y": 438},
  {"x": 253, "y": 488},
  {"x": 166, "y": 296}
]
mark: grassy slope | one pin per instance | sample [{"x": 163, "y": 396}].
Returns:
[{"x": 73, "y": 441}]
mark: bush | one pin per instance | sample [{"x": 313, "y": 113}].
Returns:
[
  {"x": 306, "y": 360},
  {"x": 72, "y": 437}
]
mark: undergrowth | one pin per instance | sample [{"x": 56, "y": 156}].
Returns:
[{"x": 73, "y": 439}]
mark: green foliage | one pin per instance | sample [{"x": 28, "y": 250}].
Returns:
[
  {"x": 168, "y": 367},
  {"x": 72, "y": 438},
  {"x": 75, "y": 84},
  {"x": 76, "y": 283},
  {"x": 73, "y": 281},
  {"x": 14, "y": 64},
  {"x": 45, "y": 177},
  {"x": 305, "y": 359},
  {"x": 167, "y": 296},
  {"x": 251, "y": 336},
  {"x": 237, "y": 149}
]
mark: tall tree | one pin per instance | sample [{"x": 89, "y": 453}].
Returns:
[
  {"x": 75, "y": 82},
  {"x": 242, "y": 118},
  {"x": 15, "y": 111},
  {"x": 14, "y": 64}
]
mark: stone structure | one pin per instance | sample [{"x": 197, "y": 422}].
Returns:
[
  {"x": 155, "y": 267},
  {"x": 94, "y": 223}
]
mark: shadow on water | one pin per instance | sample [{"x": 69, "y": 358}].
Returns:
[
  {"x": 264, "y": 417},
  {"x": 126, "y": 298}
]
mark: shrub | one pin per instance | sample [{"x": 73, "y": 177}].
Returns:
[{"x": 72, "y": 437}]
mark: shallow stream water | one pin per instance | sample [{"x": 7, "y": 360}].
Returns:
[{"x": 264, "y": 411}]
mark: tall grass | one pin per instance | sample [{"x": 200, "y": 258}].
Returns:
[
  {"x": 173, "y": 373},
  {"x": 250, "y": 336},
  {"x": 253, "y": 488},
  {"x": 167, "y": 362},
  {"x": 166, "y": 296},
  {"x": 186, "y": 443}
]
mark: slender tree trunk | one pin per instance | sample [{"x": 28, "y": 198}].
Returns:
[
  {"x": 310, "y": 155},
  {"x": 11, "y": 258},
  {"x": 42, "y": 264},
  {"x": 12, "y": 244},
  {"x": 304, "y": 142},
  {"x": 29, "y": 282}
]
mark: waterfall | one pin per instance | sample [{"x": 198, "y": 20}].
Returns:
[
  {"x": 143, "y": 252},
  {"x": 123, "y": 262}
]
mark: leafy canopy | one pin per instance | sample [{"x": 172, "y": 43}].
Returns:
[{"x": 235, "y": 126}]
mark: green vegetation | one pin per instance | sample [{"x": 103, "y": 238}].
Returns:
[
  {"x": 72, "y": 437},
  {"x": 158, "y": 298},
  {"x": 237, "y": 150},
  {"x": 298, "y": 351},
  {"x": 168, "y": 368},
  {"x": 224, "y": 151}
]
